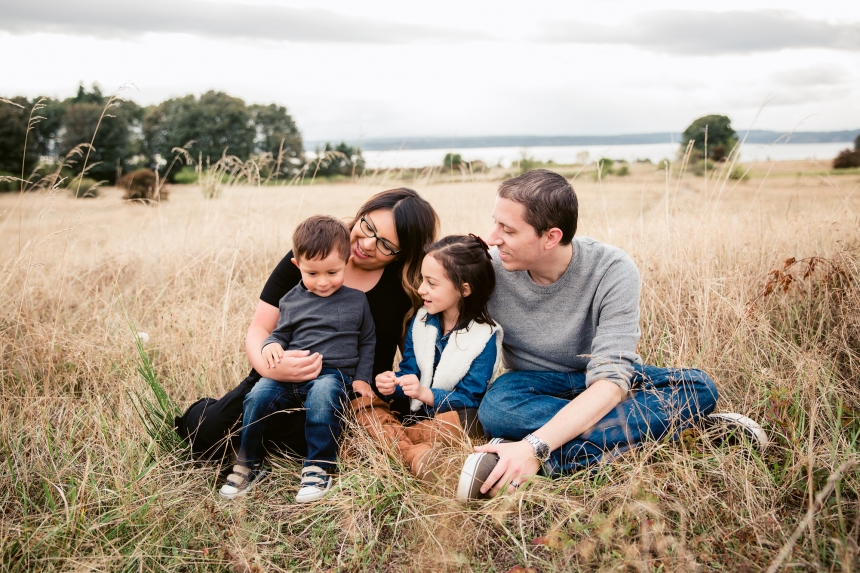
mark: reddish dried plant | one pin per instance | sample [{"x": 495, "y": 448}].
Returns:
[{"x": 830, "y": 276}]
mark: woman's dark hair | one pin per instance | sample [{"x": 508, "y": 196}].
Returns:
[
  {"x": 466, "y": 259},
  {"x": 416, "y": 224}
]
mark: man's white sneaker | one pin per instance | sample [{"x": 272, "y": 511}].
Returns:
[
  {"x": 476, "y": 470},
  {"x": 731, "y": 428},
  {"x": 241, "y": 481},
  {"x": 316, "y": 484}
]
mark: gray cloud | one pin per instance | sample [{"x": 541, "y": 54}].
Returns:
[
  {"x": 218, "y": 20},
  {"x": 820, "y": 75},
  {"x": 699, "y": 33}
]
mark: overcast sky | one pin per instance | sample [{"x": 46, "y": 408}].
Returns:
[{"x": 454, "y": 68}]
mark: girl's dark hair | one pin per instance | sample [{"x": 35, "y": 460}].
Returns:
[
  {"x": 416, "y": 224},
  {"x": 466, "y": 259}
]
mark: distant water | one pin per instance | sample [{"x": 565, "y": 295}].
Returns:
[{"x": 505, "y": 156}]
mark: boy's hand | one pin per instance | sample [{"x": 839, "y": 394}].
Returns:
[
  {"x": 362, "y": 388},
  {"x": 385, "y": 383},
  {"x": 412, "y": 387},
  {"x": 272, "y": 353}
]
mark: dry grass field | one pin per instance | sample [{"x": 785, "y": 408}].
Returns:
[{"x": 85, "y": 487}]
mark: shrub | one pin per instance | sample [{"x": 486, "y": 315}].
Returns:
[
  {"x": 739, "y": 174},
  {"x": 847, "y": 159},
  {"x": 605, "y": 166},
  {"x": 452, "y": 161},
  {"x": 142, "y": 185},
  {"x": 623, "y": 170},
  {"x": 698, "y": 167},
  {"x": 186, "y": 176},
  {"x": 84, "y": 188}
]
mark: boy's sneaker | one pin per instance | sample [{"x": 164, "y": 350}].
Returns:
[
  {"x": 476, "y": 470},
  {"x": 316, "y": 484},
  {"x": 730, "y": 428},
  {"x": 241, "y": 481}
]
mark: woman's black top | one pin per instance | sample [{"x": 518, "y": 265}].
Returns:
[{"x": 388, "y": 302}]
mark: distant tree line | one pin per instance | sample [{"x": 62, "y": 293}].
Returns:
[{"x": 128, "y": 136}]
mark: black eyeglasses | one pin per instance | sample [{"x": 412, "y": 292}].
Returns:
[{"x": 382, "y": 245}]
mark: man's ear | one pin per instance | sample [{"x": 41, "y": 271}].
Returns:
[
  {"x": 465, "y": 290},
  {"x": 295, "y": 262},
  {"x": 552, "y": 238}
]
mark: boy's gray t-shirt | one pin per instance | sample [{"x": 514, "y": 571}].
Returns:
[
  {"x": 339, "y": 326},
  {"x": 587, "y": 320}
]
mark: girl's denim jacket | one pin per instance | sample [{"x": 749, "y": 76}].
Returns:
[{"x": 469, "y": 390}]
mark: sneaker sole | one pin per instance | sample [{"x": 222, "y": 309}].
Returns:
[
  {"x": 307, "y": 498},
  {"x": 731, "y": 421},
  {"x": 469, "y": 486},
  {"x": 260, "y": 476}
]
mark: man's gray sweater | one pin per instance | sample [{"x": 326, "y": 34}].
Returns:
[
  {"x": 587, "y": 320},
  {"x": 339, "y": 326}
]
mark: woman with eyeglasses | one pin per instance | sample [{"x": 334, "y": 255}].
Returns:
[{"x": 387, "y": 241}]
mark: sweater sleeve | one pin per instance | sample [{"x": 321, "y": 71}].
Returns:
[
  {"x": 366, "y": 345},
  {"x": 282, "y": 335},
  {"x": 613, "y": 350},
  {"x": 470, "y": 390}
]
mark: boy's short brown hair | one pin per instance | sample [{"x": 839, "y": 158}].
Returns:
[
  {"x": 316, "y": 237},
  {"x": 548, "y": 199}
]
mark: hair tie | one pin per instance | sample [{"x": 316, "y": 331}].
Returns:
[{"x": 484, "y": 246}]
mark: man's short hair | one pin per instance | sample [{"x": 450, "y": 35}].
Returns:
[
  {"x": 548, "y": 199},
  {"x": 316, "y": 237}
]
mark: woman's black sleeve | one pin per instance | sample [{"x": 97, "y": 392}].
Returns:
[{"x": 285, "y": 276}]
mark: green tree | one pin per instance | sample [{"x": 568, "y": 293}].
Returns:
[
  {"x": 721, "y": 138},
  {"x": 112, "y": 147},
  {"x": 277, "y": 134},
  {"x": 857, "y": 143},
  {"x": 13, "y": 130},
  {"x": 217, "y": 123},
  {"x": 341, "y": 159}
]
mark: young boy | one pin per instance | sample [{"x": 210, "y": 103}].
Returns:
[{"x": 321, "y": 315}]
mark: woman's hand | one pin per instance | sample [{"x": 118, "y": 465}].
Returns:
[
  {"x": 362, "y": 388},
  {"x": 411, "y": 386},
  {"x": 385, "y": 383},
  {"x": 296, "y": 366}
]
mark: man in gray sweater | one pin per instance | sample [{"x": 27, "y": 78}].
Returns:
[{"x": 576, "y": 390}]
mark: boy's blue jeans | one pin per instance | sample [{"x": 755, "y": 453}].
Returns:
[
  {"x": 661, "y": 401},
  {"x": 322, "y": 398}
]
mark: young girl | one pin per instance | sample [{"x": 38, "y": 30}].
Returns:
[{"x": 451, "y": 353}]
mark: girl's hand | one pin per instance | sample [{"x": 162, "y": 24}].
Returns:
[
  {"x": 362, "y": 388},
  {"x": 411, "y": 386},
  {"x": 385, "y": 383},
  {"x": 272, "y": 354}
]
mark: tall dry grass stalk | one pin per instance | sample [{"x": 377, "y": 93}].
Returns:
[{"x": 90, "y": 481}]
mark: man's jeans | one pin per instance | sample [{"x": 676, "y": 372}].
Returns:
[
  {"x": 661, "y": 401},
  {"x": 323, "y": 400}
]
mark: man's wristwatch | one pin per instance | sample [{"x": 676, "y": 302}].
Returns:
[{"x": 541, "y": 447}]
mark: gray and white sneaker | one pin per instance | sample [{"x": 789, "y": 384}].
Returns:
[
  {"x": 241, "y": 481},
  {"x": 731, "y": 428},
  {"x": 316, "y": 484},
  {"x": 476, "y": 470}
]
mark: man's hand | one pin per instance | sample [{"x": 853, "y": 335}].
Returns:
[
  {"x": 272, "y": 354},
  {"x": 386, "y": 383},
  {"x": 517, "y": 463},
  {"x": 411, "y": 386},
  {"x": 362, "y": 388}
]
